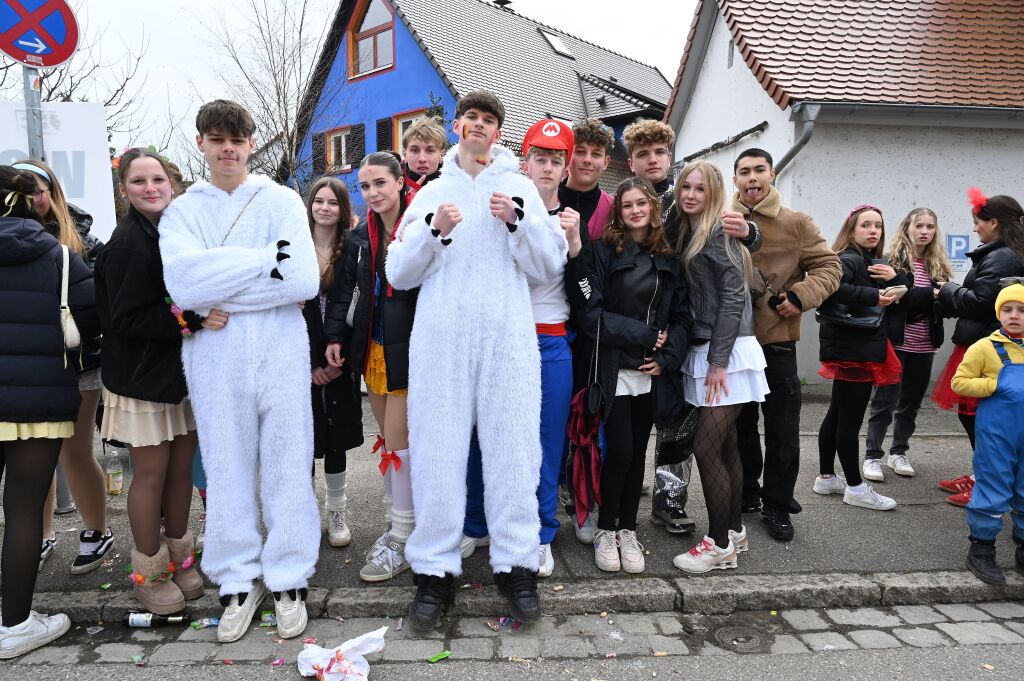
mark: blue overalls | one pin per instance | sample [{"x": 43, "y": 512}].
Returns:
[{"x": 999, "y": 455}]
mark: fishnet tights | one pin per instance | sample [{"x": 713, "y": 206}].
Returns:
[{"x": 721, "y": 472}]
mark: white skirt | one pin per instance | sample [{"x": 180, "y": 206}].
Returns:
[{"x": 744, "y": 376}]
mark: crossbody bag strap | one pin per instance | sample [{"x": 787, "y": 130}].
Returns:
[{"x": 239, "y": 217}]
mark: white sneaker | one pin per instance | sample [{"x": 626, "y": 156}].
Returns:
[
  {"x": 236, "y": 617},
  {"x": 585, "y": 533},
  {"x": 872, "y": 470},
  {"x": 739, "y": 539},
  {"x": 900, "y": 465},
  {"x": 869, "y": 498},
  {"x": 46, "y": 549},
  {"x": 606, "y": 551},
  {"x": 468, "y": 545},
  {"x": 338, "y": 533},
  {"x": 631, "y": 552},
  {"x": 290, "y": 609},
  {"x": 834, "y": 485},
  {"x": 375, "y": 548},
  {"x": 547, "y": 561},
  {"x": 705, "y": 557},
  {"x": 388, "y": 562},
  {"x": 35, "y": 632}
]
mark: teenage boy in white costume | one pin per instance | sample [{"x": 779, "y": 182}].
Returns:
[{"x": 241, "y": 243}]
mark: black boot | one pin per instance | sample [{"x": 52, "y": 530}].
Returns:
[
  {"x": 519, "y": 587},
  {"x": 433, "y": 597},
  {"x": 1018, "y": 555},
  {"x": 981, "y": 559}
]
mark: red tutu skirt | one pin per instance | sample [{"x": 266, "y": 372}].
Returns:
[
  {"x": 888, "y": 372},
  {"x": 943, "y": 394}
]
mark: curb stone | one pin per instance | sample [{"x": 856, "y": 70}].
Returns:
[{"x": 700, "y": 595}]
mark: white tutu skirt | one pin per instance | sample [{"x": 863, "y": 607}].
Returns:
[{"x": 744, "y": 376}]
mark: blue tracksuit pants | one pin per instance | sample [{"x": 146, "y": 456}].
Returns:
[
  {"x": 999, "y": 456},
  {"x": 556, "y": 393}
]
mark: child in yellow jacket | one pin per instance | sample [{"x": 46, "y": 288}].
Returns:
[{"x": 993, "y": 369}]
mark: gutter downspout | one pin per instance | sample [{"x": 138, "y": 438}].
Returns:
[{"x": 809, "y": 113}]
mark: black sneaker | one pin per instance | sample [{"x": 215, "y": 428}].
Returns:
[
  {"x": 750, "y": 506},
  {"x": 46, "y": 549},
  {"x": 981, "y": 559},
  {"x": 433, "y": 597},
  {"x": 92, "y": 547},
  {"x": 780, "y": 526},
  {"x": 519, "y": 587},
  {"x": 674, "y": 520}
]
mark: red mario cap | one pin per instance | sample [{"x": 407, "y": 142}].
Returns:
[{"x": 549, "y": 134}]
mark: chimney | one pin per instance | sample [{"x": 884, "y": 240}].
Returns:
[{"x": 504, "y": 4}]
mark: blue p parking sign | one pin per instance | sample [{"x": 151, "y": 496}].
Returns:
[{"x": 957, "y": 245}]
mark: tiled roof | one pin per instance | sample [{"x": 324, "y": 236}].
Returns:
[
  {"x": 913, "y": 52},
  {"x": 509, "y": 56}
]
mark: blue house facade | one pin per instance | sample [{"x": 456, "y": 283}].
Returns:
[{"x": 386, "y": 63}]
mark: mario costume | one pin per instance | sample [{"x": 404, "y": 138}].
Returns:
[
  {"x": 473, "y": 360},
  {"x": 993, "y": 369},
  {"x": 550, "y": 313}
]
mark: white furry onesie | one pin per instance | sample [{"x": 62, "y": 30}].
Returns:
[
  {"x": 473, "y": 360},
  {"x": 249, "y": 382}
]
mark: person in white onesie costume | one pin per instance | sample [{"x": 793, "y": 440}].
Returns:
[
  {"x": 469, "y": 239},
  {"x": 241, "y": 244}
]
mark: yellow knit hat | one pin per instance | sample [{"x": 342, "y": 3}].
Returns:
[{"x": 1014, "y": 292}]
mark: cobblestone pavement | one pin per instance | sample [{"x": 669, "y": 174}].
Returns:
[{"x": 598, "y": 636}]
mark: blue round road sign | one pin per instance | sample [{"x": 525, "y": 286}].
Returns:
[{"x": 38, "y": 33}]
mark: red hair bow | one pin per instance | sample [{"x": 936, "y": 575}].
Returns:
[{"x": 977, "y": 198}]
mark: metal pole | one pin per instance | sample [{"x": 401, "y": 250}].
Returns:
[{"x": 34, "y": 115}]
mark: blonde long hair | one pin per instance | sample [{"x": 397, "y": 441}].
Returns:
[
  {"x": 902, "y": 251},
  {"x": 710, "y": 219},
  {"x": 67, "y": 232}
]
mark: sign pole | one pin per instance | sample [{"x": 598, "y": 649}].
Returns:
[{"x": 34, "y": 115}]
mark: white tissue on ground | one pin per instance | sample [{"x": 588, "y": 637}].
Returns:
[{"x": 347, "y": 661}]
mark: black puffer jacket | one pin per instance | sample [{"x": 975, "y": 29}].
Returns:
[
  {"x": 356, "y": 270},
  {"x": 87, "y": 357},
  {"x": 857, "y": 288},
  {"x": 919, "y": 303},
  {"x": 973, "y": 302},
  {"x": 37, "y": 381},
  {"x": 635, "y": 296},
  {"x": 141, "y": 338}
]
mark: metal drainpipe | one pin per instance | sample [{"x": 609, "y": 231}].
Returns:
[{"x": 809, "y": 113}]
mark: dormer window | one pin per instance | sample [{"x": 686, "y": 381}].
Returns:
[{"x": 372, "y": 39}]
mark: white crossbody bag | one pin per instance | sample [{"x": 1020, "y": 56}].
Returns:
[{"x": 72, "y": 339}]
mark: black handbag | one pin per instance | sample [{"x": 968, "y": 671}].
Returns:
[{"x": 850, "y": 316}]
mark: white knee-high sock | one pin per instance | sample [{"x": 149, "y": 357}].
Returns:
[
  {"x": 388, "y": 499},
  {"x": 335, "y": 499},
  {"x": 403, "y": 519}
]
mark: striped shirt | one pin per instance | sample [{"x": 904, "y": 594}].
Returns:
[{"x": 917, "y": 336}]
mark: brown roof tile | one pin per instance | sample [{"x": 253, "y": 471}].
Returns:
[{"x": 941, "y": 52}]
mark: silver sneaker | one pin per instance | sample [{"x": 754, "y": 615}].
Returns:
[
  {"x": 869, "y": 498},
  {"x": 739, "y": 539},
  {"x": 338, "y": 533},
  {"x": 388, "y": 562},
  {"x": 900, "y": 465},
  {"x": 872, "y": 470},
  {"x": 585, "y": 533},
  {"x": 834, "y": 485},
  {"x": 236, "y": 617}
]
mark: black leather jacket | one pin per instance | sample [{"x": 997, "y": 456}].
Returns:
[
  {"x": 974, "y": 301},
  {"x": 719, "y": 299}
]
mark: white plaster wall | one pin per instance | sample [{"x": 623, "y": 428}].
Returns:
[
  {"x": 898, "y": 168},
  {"x": 727, "y": 100}
]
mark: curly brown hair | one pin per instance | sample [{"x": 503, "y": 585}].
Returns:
[
  {"x": 616, "y": 234},
  {"x": 593, "y": 131},
  {"x": 644, "y": 131}
]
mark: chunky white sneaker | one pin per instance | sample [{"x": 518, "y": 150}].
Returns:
[
  {"x": 237, "y": 616},
  {"x": 900, "y": 465},
  {"x": 705, "y": 557},
  {"x": 585, "y": 533},
  {"x": 834, "y": 485},
  {"x": 388, "y": 562},
  {"x": 468, "y": 545},
  {"x": 290, "y": 609},
  {"x": 35, "y": 632},
  {"x": 606, "y": 551},
  {"x": 338, "y": 533},
  {"x": 872, "y": 470},
  {"x": 631, "y": 552},
  {"x": 547, "y": 561},
  {"x": 739, "y": 539},
  {"x": 869, "y": 498},
  {"x": 375, "y": 548}
]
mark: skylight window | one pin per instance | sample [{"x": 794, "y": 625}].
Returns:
[{"x": 557, "y": 45}]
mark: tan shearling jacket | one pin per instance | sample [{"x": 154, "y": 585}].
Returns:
[{"x": 794, "y": 257}]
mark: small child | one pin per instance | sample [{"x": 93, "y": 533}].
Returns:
[{"x": 993, "y": 369}]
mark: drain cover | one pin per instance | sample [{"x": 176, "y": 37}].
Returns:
[{"x": 740, "y": 639}]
